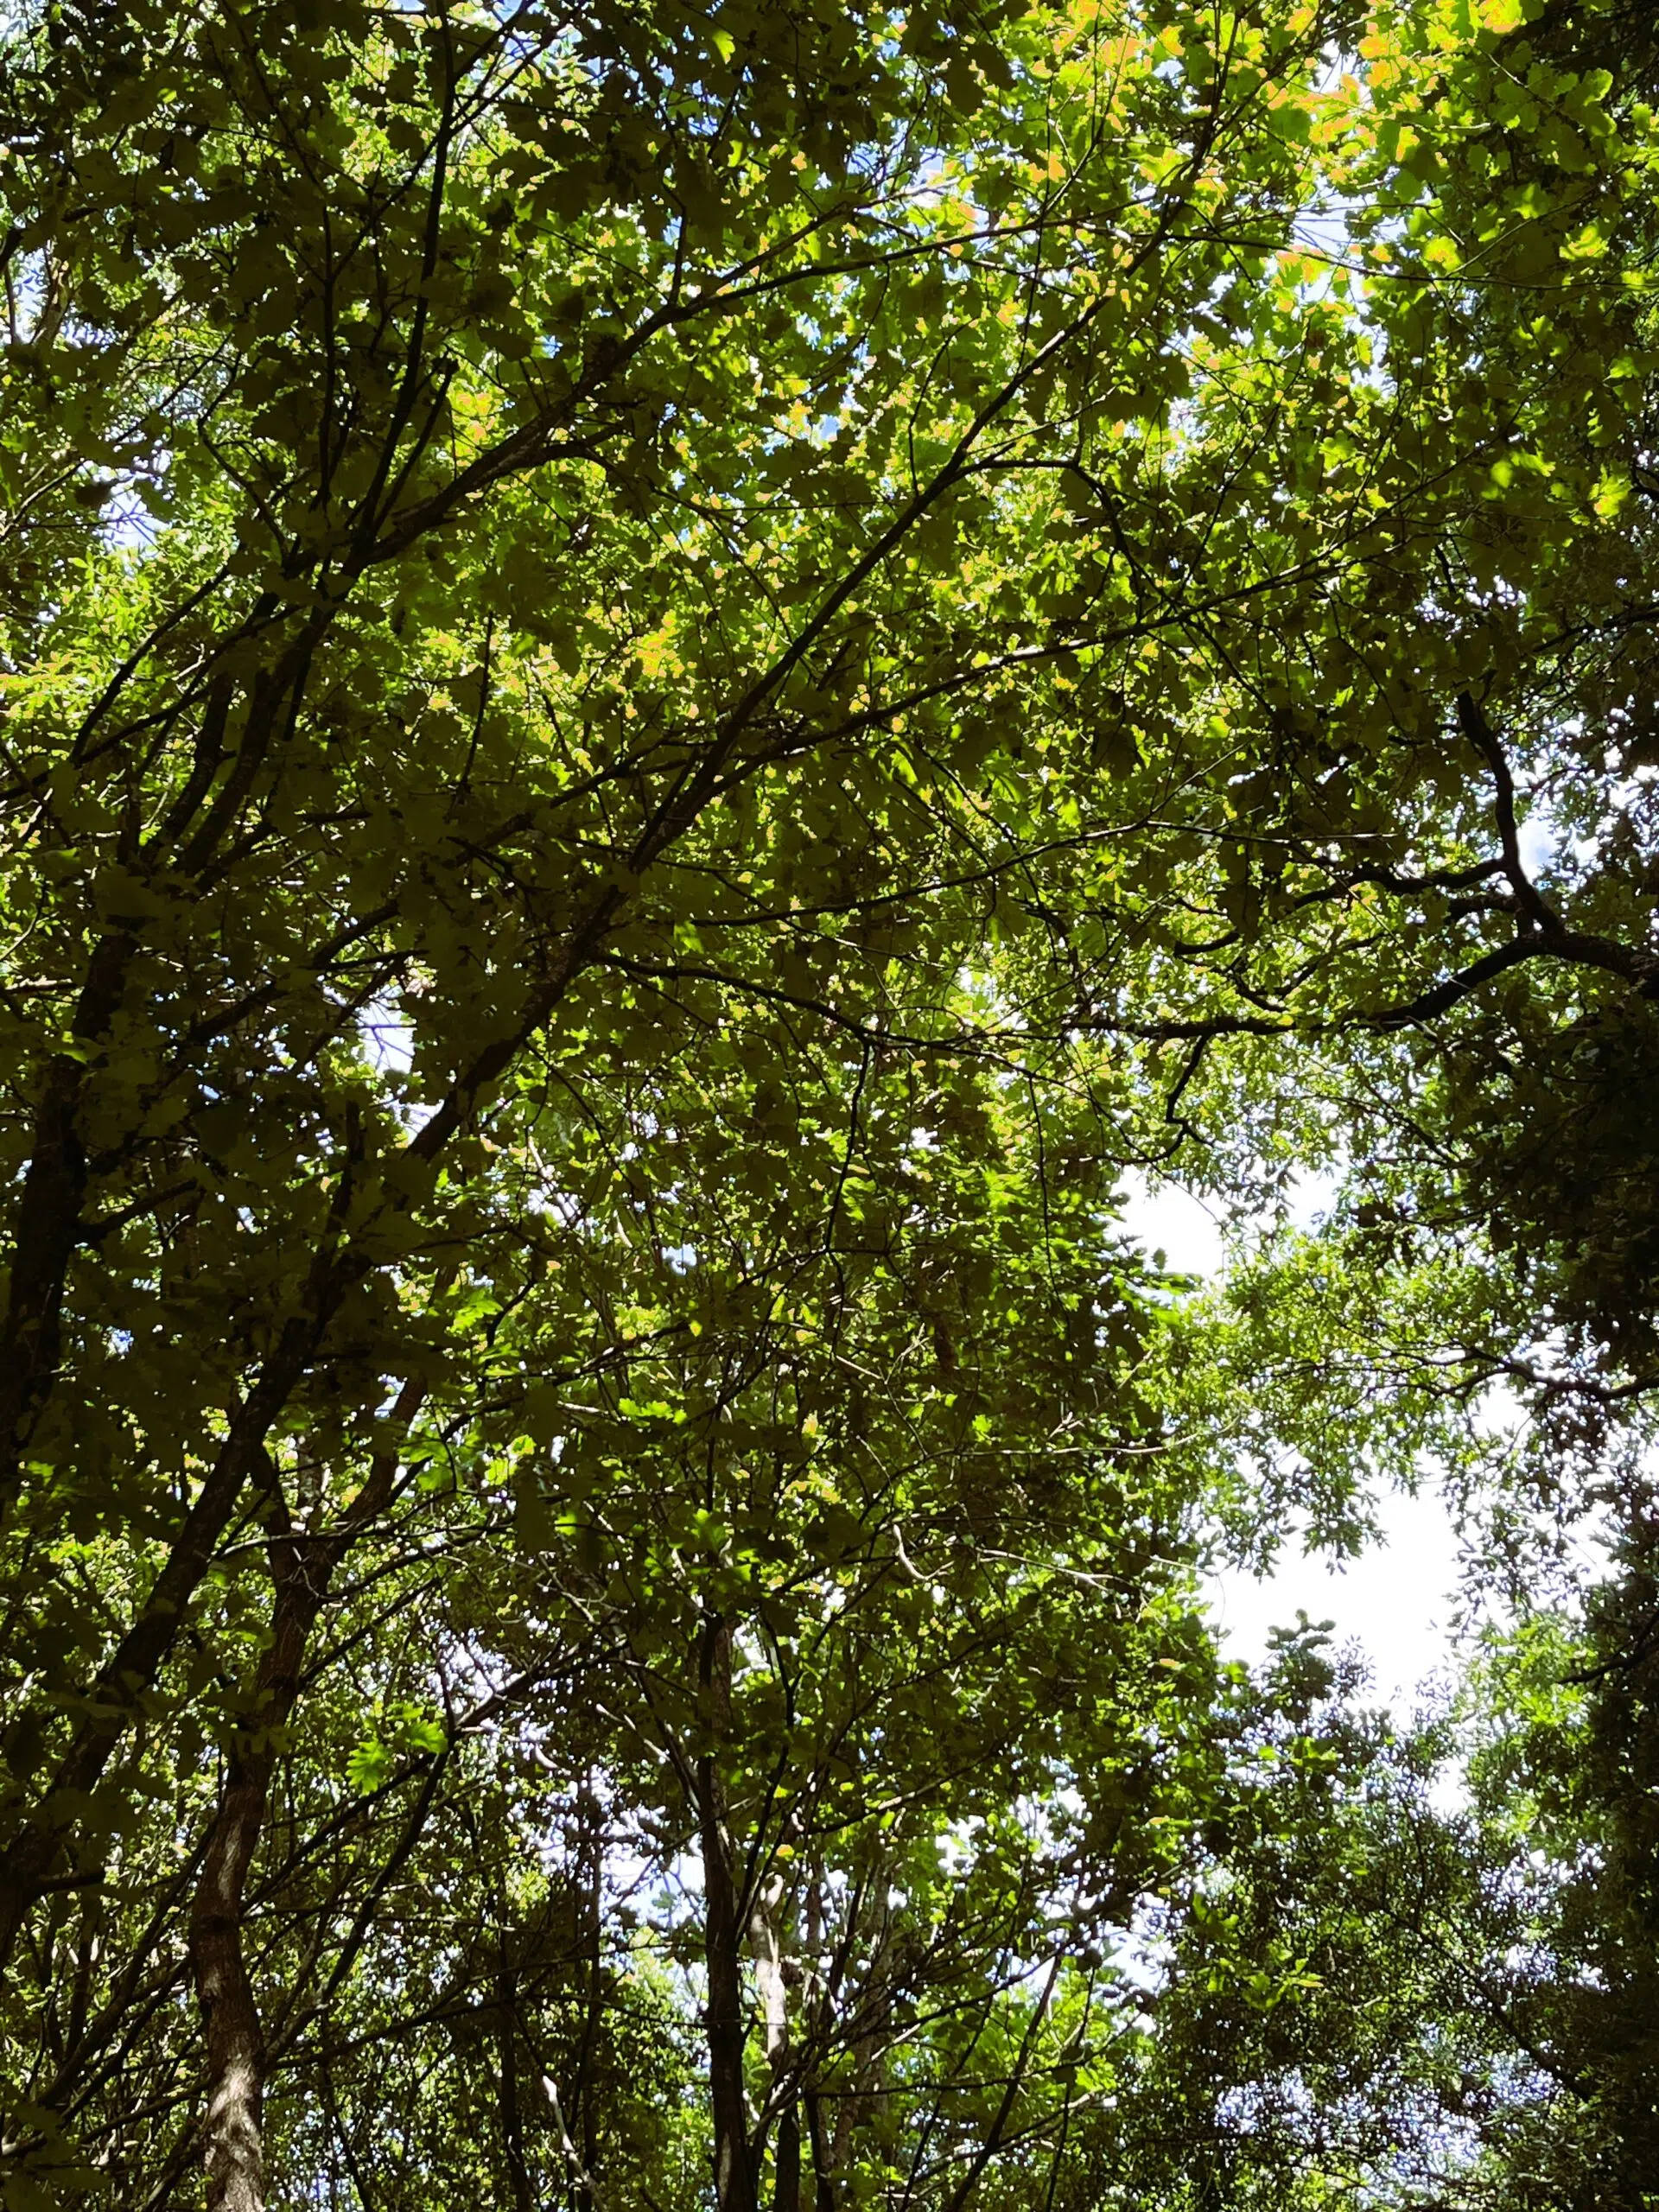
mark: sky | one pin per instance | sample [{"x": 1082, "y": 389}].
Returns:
[{"x": 1395, "y": 1599}]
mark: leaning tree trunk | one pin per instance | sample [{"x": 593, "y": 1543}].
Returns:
[{"x": 234, "y": 2121}]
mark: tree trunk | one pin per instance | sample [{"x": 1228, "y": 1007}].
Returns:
[
  {"x": 236, "y": 2044},
  {"x": 513, "y": 2129},
  {"x": 235, "y": 2039},
  {"x": 590, "y": 1864},
  {"x": 734, "y": 2188},
  {"x": 304, "y": 1566},
  {"x": 824, "y": 2186},
  {"x": 49, "y": 1217},
  {"x": 786, "y": 2161},
  {"x": 766, "y": 1943}
]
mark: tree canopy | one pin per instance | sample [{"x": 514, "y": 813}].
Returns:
[{"x": 673, "y": 681}]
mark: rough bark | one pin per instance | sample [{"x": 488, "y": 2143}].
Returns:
[{"x": 236, "y": 2047}]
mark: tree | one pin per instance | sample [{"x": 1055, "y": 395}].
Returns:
[
  {"x": 534, "y": 534},
  {"x": 642, "y": 649},
  {"x": 1414, "y": 1966},
  {"x": 1428, "y": 887}
]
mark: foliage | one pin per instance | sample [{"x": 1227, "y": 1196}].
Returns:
[{"x": 670, "y": 677}]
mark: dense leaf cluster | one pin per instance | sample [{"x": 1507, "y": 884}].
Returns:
[{"x": 671, "y": 678}]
